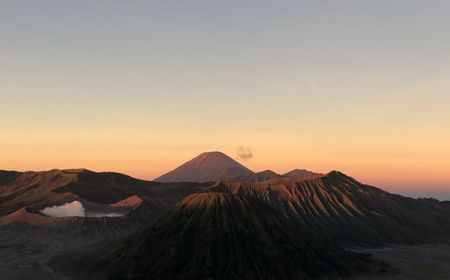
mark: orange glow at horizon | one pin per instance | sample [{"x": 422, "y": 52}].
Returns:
[
  {"x": 143, "y": 91},
  {"x": 395, "y": 172}
]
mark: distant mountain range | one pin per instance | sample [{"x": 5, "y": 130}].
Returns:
[
  {"x": 217, "y": 166},
  {"x": 213, "y": 218},
  {"x": 334, "y": 203},
  {"x": 23, "y": 195}
]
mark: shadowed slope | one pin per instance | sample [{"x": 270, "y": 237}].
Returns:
[
  {"x": 22, "y": 199},
  {"x": 86, "y": 217},
  {"x": 109, "y": 187},
  {"x": 348, "y": 211},
  {"x": 29, "y": 188},
  {"x": 8, "y": 176},
  {"x": 33, "y": 187},
  {"x": 217, "y": 236}
]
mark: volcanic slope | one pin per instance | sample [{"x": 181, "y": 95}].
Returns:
[
  {"x": 217, "y": 166},
  {"x": 217, "y": 236},
  {"x": 8, "y": 176},
  {"x": 114, "y": 204},
  {"x": 347, "y": 211},
  {"x": 208, "y": 167},
  {"x": 29, "y": 188}
]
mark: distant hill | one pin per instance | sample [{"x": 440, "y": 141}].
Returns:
[
  {"x": 208, "y": 167},
  {"x": 299, "y": 173},
  {"x": 217, "y": 166},
  {"x": 265, "y": 175}
]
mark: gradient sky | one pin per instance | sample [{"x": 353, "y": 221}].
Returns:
[{"x": 141, "y": 86}]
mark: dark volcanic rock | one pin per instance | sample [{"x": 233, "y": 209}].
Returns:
[
  {"x": 347, "y": 211},
  {"x": 217, "y": 236}
]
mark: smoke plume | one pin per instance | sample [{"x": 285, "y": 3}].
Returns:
[
  {"x": 72, "y": 209},
  {"x": 244, "y": 153}
]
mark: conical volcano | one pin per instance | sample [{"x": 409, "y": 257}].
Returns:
[{"x": 208, "y": 167}]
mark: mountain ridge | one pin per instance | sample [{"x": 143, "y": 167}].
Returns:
[
  {"x": 217, "y": 166},
  {"x": 348, "y": 211},
  {"x": 334, "y": 204},
  {"x": 223, "y": 236}
]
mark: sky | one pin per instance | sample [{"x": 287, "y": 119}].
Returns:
[{"x": 142, "y": 86}]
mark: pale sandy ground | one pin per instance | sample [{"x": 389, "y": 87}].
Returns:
[{"x": 23, "y": 255}]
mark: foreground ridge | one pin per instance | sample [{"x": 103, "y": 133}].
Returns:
[{"x": 219, "y": 236}]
